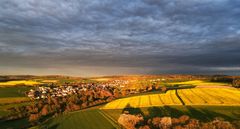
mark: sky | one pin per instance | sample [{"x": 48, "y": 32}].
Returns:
[{"x": 115, "y": 37}]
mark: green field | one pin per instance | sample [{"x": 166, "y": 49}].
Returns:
[
  {"x": 4, "y": 108},
  {"x": 86, "y": 119},
  {"x": 18, "y": 91},
  {"x": 12, "y": 97},
  {"x": 15, "y": 124}
]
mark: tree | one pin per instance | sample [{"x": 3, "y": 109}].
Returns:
[
  {"x": 156, "y": 121},
  {"x": 45, "y": 110},
  {"x": 34, "y": 117},
  {"x": 116, "y": 93},
  {"x": 184, "y": 119},
  {"x": 164, "y": 89},
  {"x": 144, "y": 127},
  {"x": 129, "y": 121}
]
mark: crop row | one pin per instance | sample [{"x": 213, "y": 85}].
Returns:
[
  {"x": 210, "y": 96},
  {"x": 169, "y": 98}
]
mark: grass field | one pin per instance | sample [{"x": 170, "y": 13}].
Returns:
[
  {"x": 14, "y": 83},
  {"x": 18, "y": 91},
  {"x": 194, "y": 96},
  {"x": 86, "y": 119}
]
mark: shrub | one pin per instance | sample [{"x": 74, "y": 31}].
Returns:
[{"x": 236, "y": 83}]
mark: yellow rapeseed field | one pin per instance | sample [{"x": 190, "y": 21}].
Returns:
[
  {"x": 13, "y": 83},
  {"x": 210, "y": 96},
  {"x": 200, "y": 83},
  {"x": 195, "y": 96},
  {"x": 145, "y": 101}
]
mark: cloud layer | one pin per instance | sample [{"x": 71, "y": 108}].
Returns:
[{"x": 102, "y": 37}]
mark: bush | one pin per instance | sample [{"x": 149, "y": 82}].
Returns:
[
  {"x": 129, "y": 121},
  {"x": 236, "y": 83}
]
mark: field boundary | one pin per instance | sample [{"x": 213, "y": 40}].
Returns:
[
  {"x": 110, "y": 119},
  {"x": 176, "y": 92}
]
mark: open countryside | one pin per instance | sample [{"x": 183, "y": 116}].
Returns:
[
  {"x": 117, "y": 98},
  {"x": 119, "y": 64}
]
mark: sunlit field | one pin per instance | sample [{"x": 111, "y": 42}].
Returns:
[
  {"x": 195, "y": 96},
  {"x": 168, "y": 98},
  {"x": 14, "y": 83},
  {"x": 210, "y": 96},
  {"x": 49, "y": 81},
  {"x": 13, "y": 100},
  {"x": 101, "y": 79},
  {"x": 200, "y": 83}
]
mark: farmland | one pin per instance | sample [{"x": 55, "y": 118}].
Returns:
[
  {"x": 210, "y": 96},
  {"x": 13, "y": 100},
  {"x": 145, "y": 101},
  {"x": 87, "y": 119},
  {"x": 195, "y": 96},
  {"x": 151, "y": 97},
  {"x": 200, "y": 83},
  {"x": 201, "y": 112},
  {"x": 20, "y": 82},
  {"x": 17, "y": 91},
  {"x": 4, "y": 107}
]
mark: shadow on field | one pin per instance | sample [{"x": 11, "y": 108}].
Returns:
[
  {"x": 204, "y": 114},
  {"x": 197, "y": 113},
  {"x": 164, "y": 111},
  {"x": 54, "y": 126},
  {"x": 132, "y": 110}
]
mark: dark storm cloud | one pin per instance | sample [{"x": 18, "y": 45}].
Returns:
[{"x": 139, "y": 36}]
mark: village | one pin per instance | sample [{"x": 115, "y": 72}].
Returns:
[{"x": 55, "y": 90}]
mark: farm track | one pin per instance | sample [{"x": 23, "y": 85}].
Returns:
[{"x": 176, "y": 92}]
